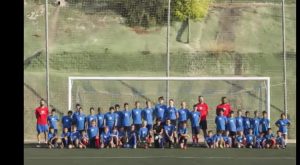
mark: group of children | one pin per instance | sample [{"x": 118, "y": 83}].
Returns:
[{"x": 115, "y": 130}]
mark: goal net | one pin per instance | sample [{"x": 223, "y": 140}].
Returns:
[{"x": 245, "y": 93}]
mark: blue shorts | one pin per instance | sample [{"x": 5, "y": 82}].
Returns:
[
  {"x": 41, "y": 128},
  {"x": 149, "y": 127}
]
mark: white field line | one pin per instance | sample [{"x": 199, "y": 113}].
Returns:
[{"x": 152, "y": 157}]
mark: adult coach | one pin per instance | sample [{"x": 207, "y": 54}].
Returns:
[
  {"x": 225, "y": 106},
  {"x": 202, "y": 107},
  {"x": 41, "y": 114}
]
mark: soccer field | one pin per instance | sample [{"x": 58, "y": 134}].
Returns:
[{"x": 191, "y": 156}]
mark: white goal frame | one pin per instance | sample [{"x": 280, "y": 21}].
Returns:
[{"x": 267, "y": 79}]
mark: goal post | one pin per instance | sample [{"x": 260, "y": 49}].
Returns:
[{"x": 71, "y": 80}]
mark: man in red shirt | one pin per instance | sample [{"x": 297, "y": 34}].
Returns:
[
  {"x": 225, "y": 106},
  {"x": 41, "y": 114},
  {"x": 202, "y": 107}
]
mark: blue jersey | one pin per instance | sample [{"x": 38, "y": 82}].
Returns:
[
  {"x": 250, "y": 138},
  {"x": 105, "y": 137},
  {"x": 118, "y": 117},
  {"x": 109, "y": 119},
  {"x": 264, "y": 122},
  {"x": 63, "y": 135},
  {"x": 52, "y": 121},
  {"x": 255, "y": 125},
  {"x": 239, "y": 124},
  {"x": 93, "y": 132},
  {"x": 169, "y": 129},
  {"x": 126, "y": 116},
  {"x": 159, "y": 111},
  {"x": 121, "y": 134},
  {"x": 75, "y": 114},
  {"x": 195, "y": 118},
  {"x": 137, "y": 116},
  {"x": 220, "y": 122},
  {"x": 183, "y": 114},
  {"x": 279, "y": 140},
  {"x": 231, "y": 124},
  {"x": 143, "y": 132},
  {"x": 209, "y": 140},
  {"x": 171, "y": 113},
  {"x": 269, "y": 136},
  {"x": 147, "y": 115},
  {"x": 90, "y": 118},
  {"x": 218, "y": 137},
  {"x": 182, "y": 131},
  {"x": 239, "y": 138},
  {"x": 226, "y": 139},
  {"x": 100, "y": 120},
  {"x": 74, "y": 135},
  {"x": 246, "y": 123},
  {"x": 114, "y": 133},
  {"x": 51, "y": 135},
  {"x": 66, "y": 122},
  {"x": 80, "y": 120},
  {"x": 283, "y": 123}
]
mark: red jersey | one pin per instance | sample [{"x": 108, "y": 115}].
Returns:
[
  {"x": 226, "y": 107},
  {"x": 203, "y": 109},
  {"x": 41, "y": 114}
]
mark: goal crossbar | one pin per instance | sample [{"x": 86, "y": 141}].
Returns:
[{"x": 267, "y": 79}]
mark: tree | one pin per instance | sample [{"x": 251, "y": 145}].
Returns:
[{"x": 184, "y": 10}]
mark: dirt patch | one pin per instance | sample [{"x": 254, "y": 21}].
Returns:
[{"x": 141, "y": 30}]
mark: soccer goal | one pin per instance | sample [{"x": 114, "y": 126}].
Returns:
[{"x": 246, "y": 93}]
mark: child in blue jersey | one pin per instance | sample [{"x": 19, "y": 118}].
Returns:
[
  {"x": 194, "y": 116},
  {"x": 76, "y": 112},
  {"x": 209, "y": 140},
  {"x": 240, "y": 140},
  {"x": 227, "y": 139},
  {"x": 90, "y": 118},
  {"x": 74, "y": 137},
  {"x": 118, "y": 116},
  {"x": 220, "y": 121},
  {"x": 67, "y": 121},
  {"x": 169, "y": 133},
  {"x": 64, "y": 138},
  {"x": 84, "y": 140},
  {"x": 250, "y": 139},
  {"x": 218, "y": 139},
  {"x": 115, "y": 137},
  {"x": 255, "y": 122},
  {"x": 259, "y": 141},
  {"x": 143, "y": 136},
  {"x": 246, "y": 123},
  {"x": 269, "y": 139},
  {"x": 93, "y": 134},
  {"x": 239, "y": 121},
  {"x": 126, "y": 118},
  {"x": 52, "y": 120},
  {"x": 264, "y": 122},
  {"x": 172, "y": 114},
  {"x": 132, "y": 138},
  {"x": 137, "y": 116},
  {"x": 100, "y": 120},
  {"x": 183, "y": 114},
  {"x": 279, "y": 140},
  {"x": 105, "y": 139},
  {"x": 159, "y": 110},
  {"x": 283, "y": 123},
  {"x": 109, "y": 119},
  {"x": 80, "y": 120},
  {"x": 147, "y": 115},
  {"x": 231, "y": 126},
  {"x": 183, "y": 135},
  {"x": 52, "y": 138},
  {"x": 122, "y": 137}
]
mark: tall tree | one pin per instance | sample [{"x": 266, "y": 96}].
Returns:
[{"x": 185, "y": 10}]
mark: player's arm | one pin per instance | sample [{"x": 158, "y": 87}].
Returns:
[{"x": 277, "y": 123}]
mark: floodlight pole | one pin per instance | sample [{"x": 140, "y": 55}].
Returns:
[
  {"x": 47, "y": 56},
  {"x": 168, "y": 52},
  {"x": 284, "y": 59}
]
